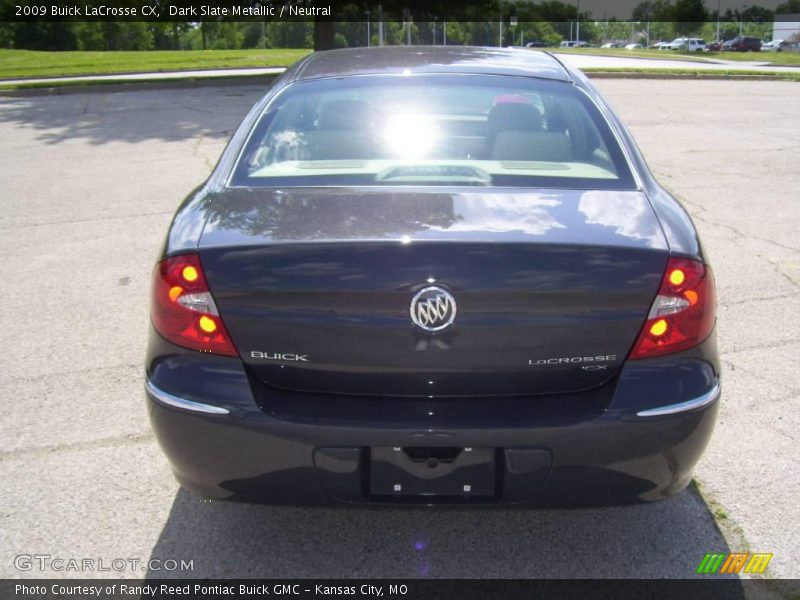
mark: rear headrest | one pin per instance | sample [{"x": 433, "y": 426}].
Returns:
[
  {"x": 332, "y": 145},
  {"x": 531, "y": 145},
  {"x": 345, "y": 115},
  {"x": 513, "y": 117}
]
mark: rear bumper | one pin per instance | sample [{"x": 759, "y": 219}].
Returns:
[{"x": 223, "y": 441}]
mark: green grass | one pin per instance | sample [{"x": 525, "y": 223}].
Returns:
[
  {"x": 773, "y": 58},
  {"x": 791, "y": 59},
  {"x": 696, "y": 73},
  {"x": 32, "y": 64},
  {"x": 643, "y": 53},
  {"x": 40, "y": 85}
]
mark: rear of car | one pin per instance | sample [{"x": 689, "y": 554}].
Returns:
[
  {"x": 432, "y": 285},
  {"x": 687, "y": 44},
  {"x": 742, "y": 44},
  {"x": 775, "y": 46}
]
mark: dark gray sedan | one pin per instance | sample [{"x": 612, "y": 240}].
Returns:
[{"x": 432, "y": 275}]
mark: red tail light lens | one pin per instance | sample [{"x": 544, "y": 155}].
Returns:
[
  {"x": 683, "y": 313},
  {"x": 183, "y": 309}
]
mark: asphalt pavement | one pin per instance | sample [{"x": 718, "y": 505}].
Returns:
[{"x": 87, "y": 187}]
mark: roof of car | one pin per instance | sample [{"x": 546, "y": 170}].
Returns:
[{"x": 431, "y": 59}]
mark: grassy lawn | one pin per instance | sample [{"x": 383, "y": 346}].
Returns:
[
  {"x": 28, "y": 63},
  {"x": 791, "y": 59},
  {"x": 775, "y": 58},
  {"x": 697, "y": 73},
  {"x": 656, "y": 54}
]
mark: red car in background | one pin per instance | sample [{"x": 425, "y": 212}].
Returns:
[{"x": 742, "y": 44}]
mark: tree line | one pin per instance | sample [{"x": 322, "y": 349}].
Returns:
[{"x": 513, "y": 24}]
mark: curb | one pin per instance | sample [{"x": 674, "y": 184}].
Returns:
[
  {"x": 136, "y": 85},
  {"x": 195, "y": 82},
  {"x": 720, "y": 76}
]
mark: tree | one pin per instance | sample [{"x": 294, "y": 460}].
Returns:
[
  {"x": 36, "y": 35},
  {"x": 324, "y": 35},
  {"x": 757, "y": 14},
  {"x": 654, "y": 10},
  {"x": 690, "y": 14},
  {"x": 790, "y": 6}
]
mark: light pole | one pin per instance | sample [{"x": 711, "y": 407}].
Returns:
[
  {"x": 380, "y": 25},
  {"x": 578, "y": 23},
  {"x": 366, "y": 13},
  {"x": 719, "y": 8},
  {"x": 513, "y": 23},
  {"x": 741, "y": 19}
]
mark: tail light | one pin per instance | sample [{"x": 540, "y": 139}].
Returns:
[
  {"x": 183, "y": 309},
  {"x": 683, "y": 313}
]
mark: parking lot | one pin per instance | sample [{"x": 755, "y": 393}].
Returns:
[{"x": 87, "y": 187}]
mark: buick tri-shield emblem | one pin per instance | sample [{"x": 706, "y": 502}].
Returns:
[{"x": 433, "y": 309}]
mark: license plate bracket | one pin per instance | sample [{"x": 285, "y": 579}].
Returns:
[{"x": 432, "y": 471}]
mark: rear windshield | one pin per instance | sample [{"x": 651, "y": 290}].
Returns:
[{"x": 432, "y": 130}]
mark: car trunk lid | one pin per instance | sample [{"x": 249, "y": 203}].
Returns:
[{"x": 315, "y": 287}]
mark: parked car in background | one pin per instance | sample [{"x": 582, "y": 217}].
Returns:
[
  {"x": 612, "y": 45},
  {"x": 633, "y": 46},
  {"x": 574, "y": 44},
  {"x": 536, "y": 44},
  {"x": 462, "y": 285},
  {"x": 776, "y": 46},
  {"x": 714, "y": 46},
  {"x": 687, "y": 44},
  {"x": 742, "y": 43}
]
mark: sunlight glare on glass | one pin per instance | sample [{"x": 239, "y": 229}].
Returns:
[{"x": 410, "y": 135}]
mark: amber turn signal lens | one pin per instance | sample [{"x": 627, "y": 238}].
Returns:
[{"x": 175, "y": 292}]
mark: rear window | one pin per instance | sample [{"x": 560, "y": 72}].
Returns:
[{"x": 432, "y": 130}]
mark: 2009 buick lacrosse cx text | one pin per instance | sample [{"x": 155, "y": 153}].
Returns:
[{"x": 432, "y": 275}]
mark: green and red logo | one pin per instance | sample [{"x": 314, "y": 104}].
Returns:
[{"x": 734, "y": 563}]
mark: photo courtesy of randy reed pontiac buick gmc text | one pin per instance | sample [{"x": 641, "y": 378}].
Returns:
[{"x": 203, "y": 589}]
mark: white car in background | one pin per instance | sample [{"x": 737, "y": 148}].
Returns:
[
  {"x": 633, "y": 46},
  {"x": 687, "y": 44},
  {"x": 775, "y": 46}
]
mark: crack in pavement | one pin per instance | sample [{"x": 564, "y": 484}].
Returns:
[
  {"x": 200, "y": 154},
  {"x": 777, "y": 266},
  {"x": 738, "y": 234},
  {"x": 87, "y": 220},
  {"x": 35, "y": 378},
  {"x": 756, "y": 299},
  {"x": 767, "y": 346},
  {"x": 112, "y": 442}
]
